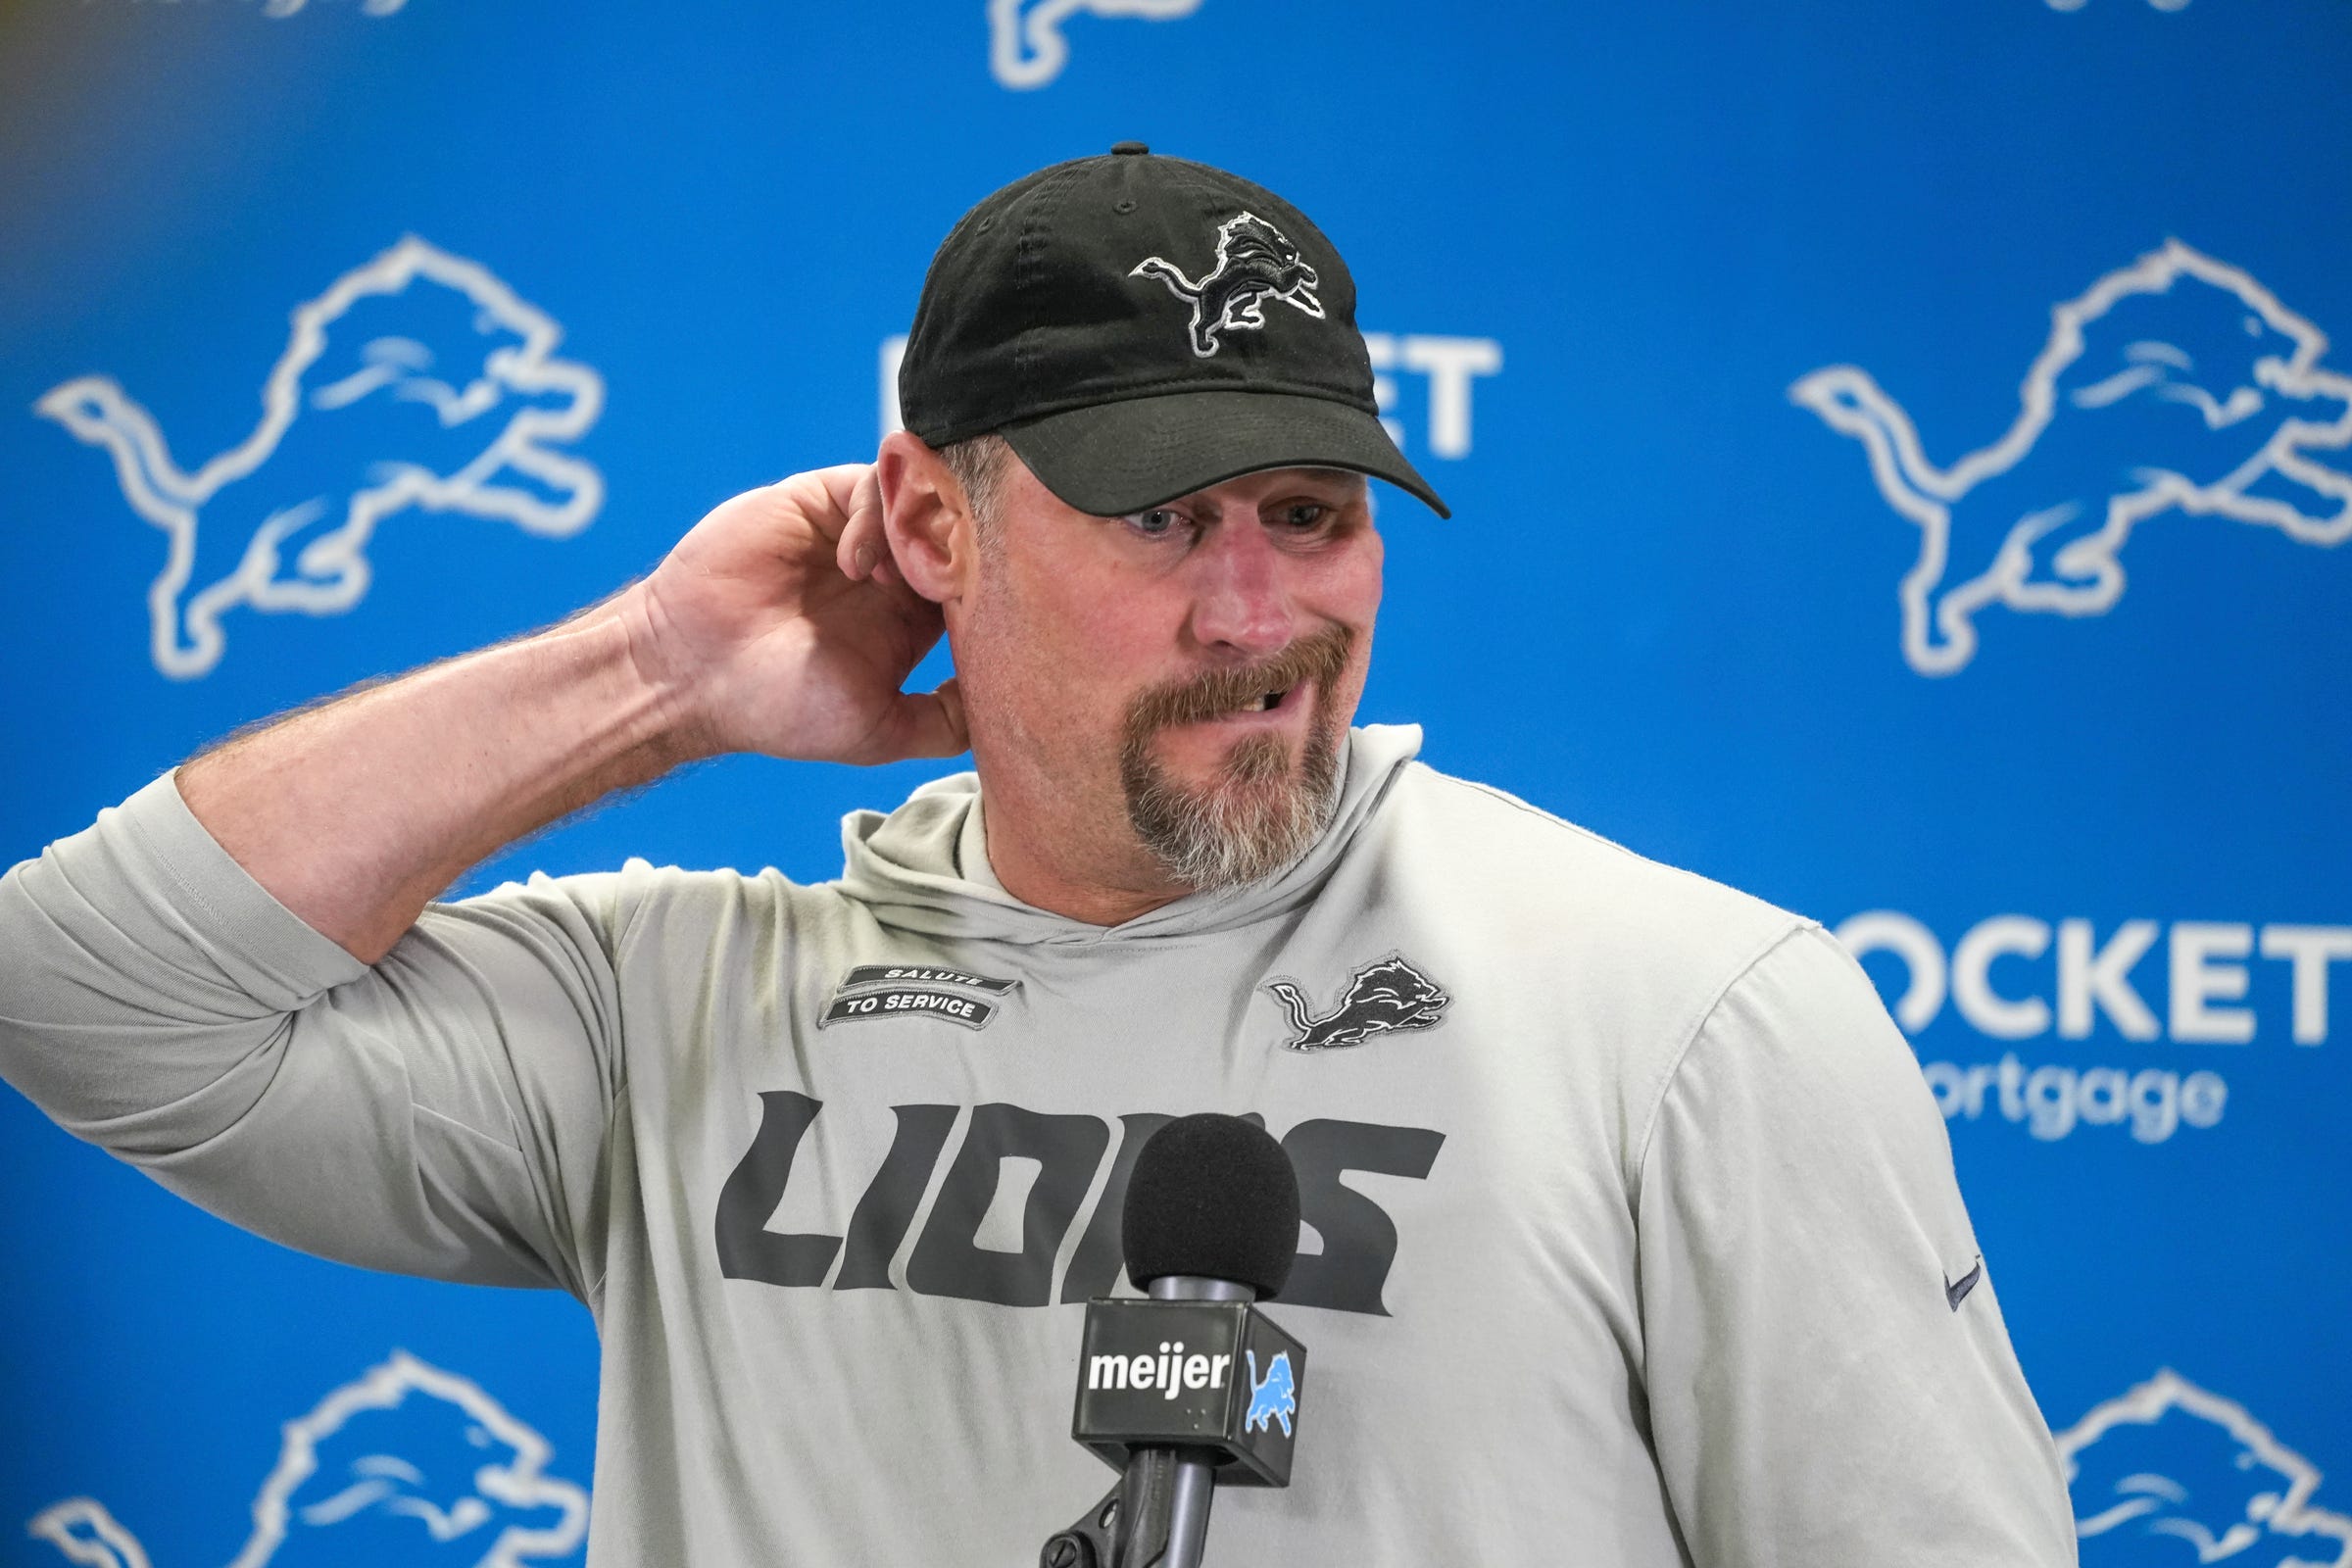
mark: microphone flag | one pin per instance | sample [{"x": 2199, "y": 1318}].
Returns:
[{"x": 1214, "y": 1376}]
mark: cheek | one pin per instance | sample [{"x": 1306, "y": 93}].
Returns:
[
  {"x": 1347, "y": 591},
  {"x": 1351, "y": 598},
  {"x": 1105, "y": 624},
  {"x": 1367, "y": 577},
  {"x": 1071, "y": 653}
]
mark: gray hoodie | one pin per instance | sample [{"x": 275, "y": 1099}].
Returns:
[{"x": 1631, "y": 1234}]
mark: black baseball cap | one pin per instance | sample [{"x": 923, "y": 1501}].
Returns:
[{"x": 1138, "y": 327}]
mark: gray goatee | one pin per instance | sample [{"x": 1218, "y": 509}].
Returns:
[{"x": 1260, "y": 814}]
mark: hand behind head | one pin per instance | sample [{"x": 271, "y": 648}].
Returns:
[{"x": 770, "y": 642}]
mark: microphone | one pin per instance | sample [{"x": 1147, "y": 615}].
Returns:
[{"x": 1190, "y": 1384}]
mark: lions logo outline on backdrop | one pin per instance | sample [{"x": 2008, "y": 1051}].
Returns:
[
  {"x": 279, "y": 10},
  {"x": 2171, "y": 1416},
  {"x": 1385, "y": 996},
  {"x": 2062, "y": 557},
  {"x": 512, "y": 1479},
  {"x": 516, "y": 475},
  {"x": 1256, "y": 262},
  {"x": 1025, "y": 45}
]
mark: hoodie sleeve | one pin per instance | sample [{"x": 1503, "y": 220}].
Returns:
[
  {"x": 1830, "y": 1379},
  {"x": 440, "y": 1113}
]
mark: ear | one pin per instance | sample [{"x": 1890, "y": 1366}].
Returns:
[{"x": 926, "y": 517}]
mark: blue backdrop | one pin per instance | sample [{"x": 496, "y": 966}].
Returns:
[{"x": 1896, "y": 455}]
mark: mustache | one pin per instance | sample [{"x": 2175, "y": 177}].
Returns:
[{"x": 1320, "y": 658}]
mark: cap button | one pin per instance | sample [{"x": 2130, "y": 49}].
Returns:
[{"x": 1129, "y": 149}]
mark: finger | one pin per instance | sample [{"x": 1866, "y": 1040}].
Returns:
[
  {"x": 864, "y": 554},
  {"x": 862, "y": 546},
  {"x": 930, "y": 723},
  {"x": 841, "y": 481},
  {"x": 825, "y": 498}
]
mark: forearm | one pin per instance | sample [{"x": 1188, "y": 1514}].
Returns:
[{"x": 355, "y": 815}]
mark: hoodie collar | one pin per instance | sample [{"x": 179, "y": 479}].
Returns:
[{"x": 924, "y": 867}]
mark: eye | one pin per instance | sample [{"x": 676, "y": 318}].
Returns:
[
  {"x": 1302, "y": 517},
  {"x": 1156, "y": 522}
]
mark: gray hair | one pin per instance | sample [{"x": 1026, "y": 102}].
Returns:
[{"x": 978, "y": 465}]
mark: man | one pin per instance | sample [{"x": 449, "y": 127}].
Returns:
[{"x": 1634, "y": 1232}]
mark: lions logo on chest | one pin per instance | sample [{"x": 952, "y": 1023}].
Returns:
[{"x": 1388, "y": 994}]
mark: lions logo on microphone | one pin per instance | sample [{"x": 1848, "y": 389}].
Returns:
[
  {"x": 1256, "y": 261},
  {"x": 1273, "y": 1397},
  {"x": 1388, "y": 994}
]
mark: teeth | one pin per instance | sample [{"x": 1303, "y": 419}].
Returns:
[{"x": 1263, "y": 703}]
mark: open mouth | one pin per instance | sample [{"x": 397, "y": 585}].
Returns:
[
  {"x": 1267, "y": 701},
  {"x": 1272, "y": 702}
]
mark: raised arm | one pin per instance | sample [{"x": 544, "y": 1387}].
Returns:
[
  {"x": 236, "y": 982},
  {"x": 762, "y": 632}
]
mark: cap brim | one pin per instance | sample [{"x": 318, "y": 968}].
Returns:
[{"x": 1112, "y": 459}]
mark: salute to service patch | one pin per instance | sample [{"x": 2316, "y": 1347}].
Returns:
[{"x": 896, "y": 991}]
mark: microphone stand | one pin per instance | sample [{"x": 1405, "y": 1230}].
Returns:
[{"x": 1157, "y": 1515}]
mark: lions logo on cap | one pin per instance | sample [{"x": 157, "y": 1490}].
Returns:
[{"x": 1256, "y": 261}]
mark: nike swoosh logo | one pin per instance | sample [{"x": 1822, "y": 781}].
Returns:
[{"x": 1956, "y": 1291}]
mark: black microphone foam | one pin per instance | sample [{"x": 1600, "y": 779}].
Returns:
[{"x": 1213, "y": 1198}]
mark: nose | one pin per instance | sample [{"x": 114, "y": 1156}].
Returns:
[{"x": 1240, "y": 591}]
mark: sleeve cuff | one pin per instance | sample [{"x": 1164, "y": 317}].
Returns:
[{"x": 236, "y": 915}]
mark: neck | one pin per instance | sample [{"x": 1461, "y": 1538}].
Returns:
[
  {"x": 1042, "y": 887},
  {"x": 1049, "y": 860}
]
